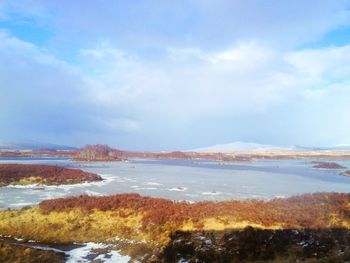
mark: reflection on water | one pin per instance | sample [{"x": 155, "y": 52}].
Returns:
[{"x": 184, "y": 180}]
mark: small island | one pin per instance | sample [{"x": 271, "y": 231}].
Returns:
[
  {"x": 327, "y": 165},
  {"x": 98, "y": 153},
  {"x": 28, "y": 174},
  {"x": 346, "y": 173}
]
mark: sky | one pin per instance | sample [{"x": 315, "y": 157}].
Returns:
[{"x": 172, "y": 75}]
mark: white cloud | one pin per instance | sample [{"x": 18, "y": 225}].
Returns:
[
  {"x": 246, "y": 80},
  {"x": 46, "y": 98},
  {"x": 11, "y": 45},
  {"x": 331, "y": 61},
  {"x": 207, "y": 24},
  {"x": 318, "y": 71},
  {"x": 201, "y": 83},
  {"x": 245, "y": 54},
  {"x": 105, "y": 51},
  {"x": 112, "y": 90}
]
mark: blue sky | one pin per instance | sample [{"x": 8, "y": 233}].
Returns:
[{"x": 167, "y": 75}]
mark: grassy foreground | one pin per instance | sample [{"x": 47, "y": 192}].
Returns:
[{"x": 153, "y": 220}]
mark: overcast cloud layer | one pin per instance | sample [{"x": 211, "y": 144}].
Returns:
[{"x": 164, "y": 75}]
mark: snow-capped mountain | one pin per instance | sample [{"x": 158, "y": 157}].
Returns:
[{"x": 245, "y": 146}]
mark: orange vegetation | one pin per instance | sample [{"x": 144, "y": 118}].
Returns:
[
  {"x": 327, "y": 165},
  {"x": 317, "y": 210},
  {"x": 43, "y": 174}
]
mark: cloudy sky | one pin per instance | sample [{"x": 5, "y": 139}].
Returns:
[{"x": 166, "y": 75}]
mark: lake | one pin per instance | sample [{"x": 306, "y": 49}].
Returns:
[{"x": 190, "y": 180}]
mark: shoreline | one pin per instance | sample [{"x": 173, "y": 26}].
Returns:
[{"x": 103, "y": 153}]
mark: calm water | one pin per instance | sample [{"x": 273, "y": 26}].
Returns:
[{"x": 185, "y": 180}]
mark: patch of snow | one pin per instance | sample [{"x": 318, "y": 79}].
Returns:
[
  {"x": 106, "y": 180},
  {"x": 86, "y": 253},
  {"x": 145, "y": 188},
  {"x": 93, "y": 193},
  {"x": 29, "y": 186},
  {"x": 180, "y": 189},
  {"x": 280, "y": 196},
  {"x": 20, "y": 204},
  {"x": 48, "y": 249},
  {"x": 211, "y": 193},
  {"x": 208, "y": 242}
]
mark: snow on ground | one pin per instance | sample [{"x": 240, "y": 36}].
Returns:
[
  {"x": 178, "y": 189},
  {"x": 88, "y": 253},
  {"x": 106, "y": 180},
  {"x": 211, "y": 193}
]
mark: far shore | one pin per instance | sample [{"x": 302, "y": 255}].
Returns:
[{"x": 104, "y": 153}]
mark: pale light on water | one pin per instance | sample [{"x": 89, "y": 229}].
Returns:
[{"x": 184, "y": 180}]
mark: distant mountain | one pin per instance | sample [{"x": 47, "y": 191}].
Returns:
[
  {"x": 246, "y": 146},
  {"x": 341, "y": 147},
  {"x": 31, "y": 145}
]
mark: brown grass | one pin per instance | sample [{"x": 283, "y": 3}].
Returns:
[
  {"x": 131, "y": 216},
  {"x": 42, "y": 174},
  {"x": 305, "y": 211},
  {"x": 11, "y": 253}
]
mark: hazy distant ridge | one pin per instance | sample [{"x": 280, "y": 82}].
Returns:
[
  {"x": 31, "y": 145},
  {"x": 250, "y": 146}
]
